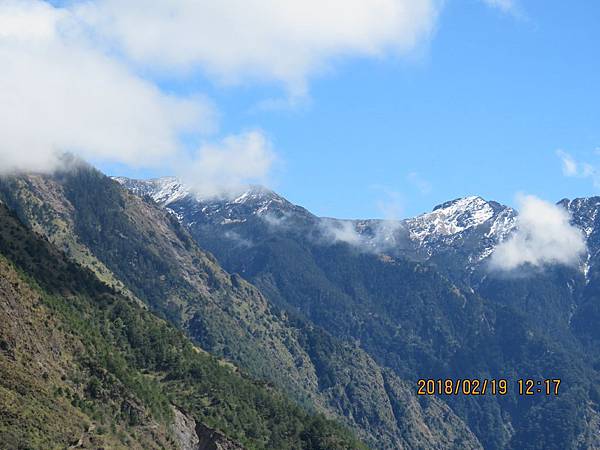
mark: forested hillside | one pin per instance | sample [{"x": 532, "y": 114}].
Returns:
[
  {"x": 418, "y": 297},
  {"x": 142, "y": 252},
  {"x": 82, "y": 365}
]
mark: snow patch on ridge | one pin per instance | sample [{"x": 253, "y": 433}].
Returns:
[
  {"x": 450, "y": 218},
  {"x": 168, "y": 190}
]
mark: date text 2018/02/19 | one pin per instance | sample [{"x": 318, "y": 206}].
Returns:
[{"x": 493, "y": 386}]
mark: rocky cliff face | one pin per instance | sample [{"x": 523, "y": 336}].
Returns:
[
  {"x": 196, "y": 436},
  {"x": 210, "y": 439}
]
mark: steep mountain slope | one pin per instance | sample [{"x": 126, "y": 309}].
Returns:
[
  {"x": 417, "y": 297},
  {"x": 143, "y": 252},
  {"x": 83, "y": 366},
  {"x": 157, "y": 261},
  {"x": 585, "y": 317}
]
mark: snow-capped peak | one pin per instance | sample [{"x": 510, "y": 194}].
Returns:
[
  {"x": 169, "y": 192},
  {"x": 470, "y": 225},
  {"x": 164, "y": 190},
  {"x": 468, "y": 228},
  {"x": 257, "y": 195},
  {"x": 451, "y": 218}
]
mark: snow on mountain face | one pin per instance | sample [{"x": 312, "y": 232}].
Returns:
[
  {"x": 471, "y": 224},
  {"x": 584, "y": 213},
  {"x": 172, "y": 194},
  {"x": 163, "y": 191},
  {"x": 450, "y": 218},
  {"x": 444, "y": 227},
  {"x": 466, "y": 230}
]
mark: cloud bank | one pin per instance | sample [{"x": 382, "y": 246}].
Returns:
[
  {"x": 285, "y": 41},
  {"x": 544, "y": 236},
  {"x": 81, "y": 77},
  {"x": 373, "y": 236},
  {"x": 60, "y": 94}
]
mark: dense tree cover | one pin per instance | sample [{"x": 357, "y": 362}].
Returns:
[
  {"x": 431, "y": 323},
  {"x": 154, "y": 257},
  {"x": 140, "y": 365},
  {"x": 420, "y": 320},
  {"x": 147, "y": 251}
]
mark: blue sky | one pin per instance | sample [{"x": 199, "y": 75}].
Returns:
[
  {"x": 481, "y": 110},
  {"x": 480, "y": 106}
]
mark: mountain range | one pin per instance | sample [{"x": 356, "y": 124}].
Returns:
[
  {"x": 265, "y": 326},
  {"x": 469, "y": 224},
  {"x": 419, "y": 297}
]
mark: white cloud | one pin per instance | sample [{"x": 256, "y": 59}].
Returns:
[
  {"x": 225, "y": 169},
  {"x": 335, "y": 230},
  {"x": 59, "y": 93},
  {"x": 238, "y": 240},
  {"x": 573, "y": 168},
  {"x": 373, "y": 236},
  {"x": 504, "y": 5},
  {"x": 71, "y": 75},
  {"x": 422, "y": 185},
  {"x": 260, "y": 39},
  {"x": 569, "y": 166},
  {"x": 383, "y": 234},
  {"x": 544, "y": 236},
  {"x": 70, "y": 78}
]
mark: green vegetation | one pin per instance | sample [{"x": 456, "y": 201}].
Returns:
[
  {"x": 148, "y": 254},
  {"x": 113, "y": 364},
  {"x": 343, "y": 332},
  {"x": 422, "y": 322}
]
